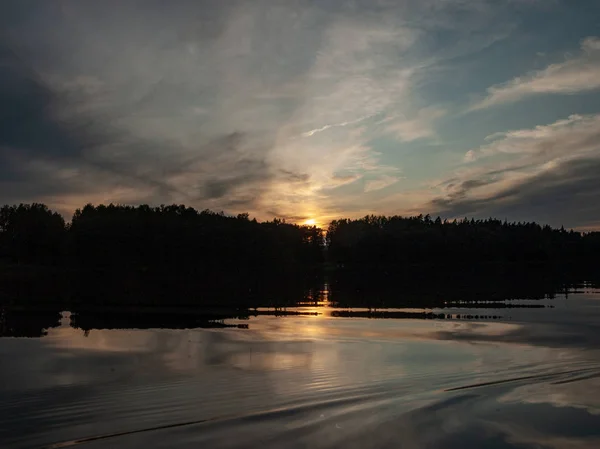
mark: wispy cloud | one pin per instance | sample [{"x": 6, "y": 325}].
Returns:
[
  {"x": 419, "y": 127},
  {"x": 576, "y": 74},
  {"x": 380, "y": 183},
  {"x": 249, "y": 106},
  {"x": 563, "y": 138},
  {"x": 312, "y": 132},
  {"x": 547, "y": 173}
]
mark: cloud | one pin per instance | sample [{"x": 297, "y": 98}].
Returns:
[
  {"x": 564, "y": 195},
  {"x": 577, "y": 74},
  {"x": 470, "y": 156},
  {"x": 38, "y": 150},
  {"x": 339, "y": 180},
  {"x": 238, "y": 106},
  {"x": 134, "y": 125},
  {"x": 419, "y": 127},
  {"x": 68, "y": 138},
  {"x": 26, "y": 110},
  {"x": 573, "y": 135},
  {"x": 548, "y": 173},
  {"x": 312, "y": 132},
  {"x": 380, "y": 183},
  {"x": 55, "y": 148}
]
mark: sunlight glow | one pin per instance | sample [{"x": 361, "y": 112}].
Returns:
[{"x": 310, "y": 222}]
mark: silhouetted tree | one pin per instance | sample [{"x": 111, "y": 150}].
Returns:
[
  {"x": 173, "y": 254},
  {"x": 395, "y": 241},
  {"x": 31, "y": 234}
]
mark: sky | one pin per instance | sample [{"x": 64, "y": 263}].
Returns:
[{"x": 305, "y": 110}]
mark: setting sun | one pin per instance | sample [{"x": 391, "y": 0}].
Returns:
[{"x": 310, "y": 222}]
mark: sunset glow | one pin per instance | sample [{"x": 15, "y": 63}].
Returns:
[{"x": 324, "y": 110}]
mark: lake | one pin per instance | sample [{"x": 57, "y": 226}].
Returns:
[{"x": 519, "y": 374}]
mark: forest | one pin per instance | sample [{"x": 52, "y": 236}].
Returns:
[
  {"x": 153, "y": 255},
  {"x": 176, "y": 255},
  {"x": 399, "y": 241}
]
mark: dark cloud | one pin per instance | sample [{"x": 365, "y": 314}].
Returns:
[
  {"x": 220, "y": 187},
  {"x": 458, "y": 190},
  {"x": 30, "y": 132},
  {"x": 565, "y": 195},
  {"x": 472, "y": 184},
  {"x": 35, "y": 142},
  {"x": 294, "y": 177},
  {"x": 33, "y": 136},
  {"x": 93, "y": 102},
  {"x": 38, "y": 142},
  {"x": 26, "y": 110}
]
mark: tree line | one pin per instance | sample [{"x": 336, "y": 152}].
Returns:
[
  {"x": 156, "y": 255},
  {"x": 170, "y": 237},
  {"x": 115, "y": 254},
  {"x": 419, "y": 261},
  {"x": 400, "y": 241}
]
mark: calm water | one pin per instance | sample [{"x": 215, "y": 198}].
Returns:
[{"x": 513, "y": 378}]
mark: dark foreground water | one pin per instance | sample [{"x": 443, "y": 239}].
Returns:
[{"x": 512, "y": 378}]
